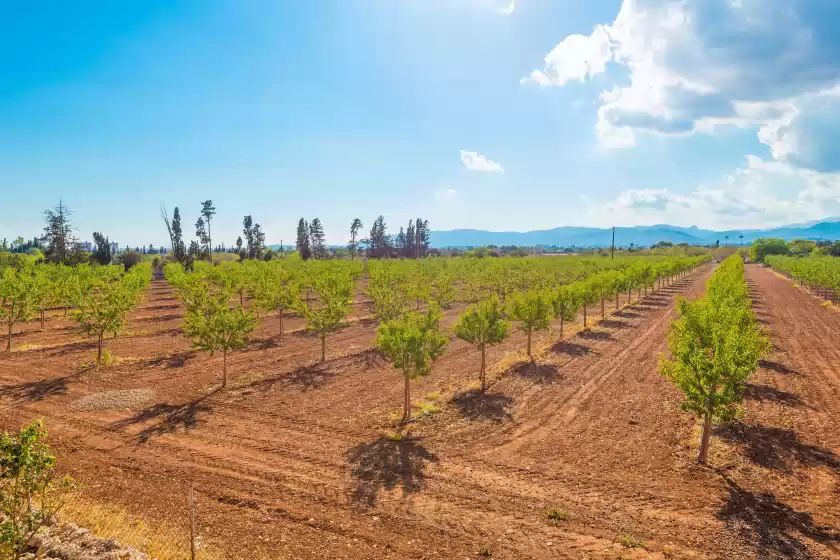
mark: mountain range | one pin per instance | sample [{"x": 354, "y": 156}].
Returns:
[{"x": 570, "y": 236}]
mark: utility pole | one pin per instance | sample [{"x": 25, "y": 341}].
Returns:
[
  {"x": 281, "y": 247},
  {"x": 612, "y": 251}
]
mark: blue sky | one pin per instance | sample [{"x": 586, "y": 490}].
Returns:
[{"x": 470, "y": 113}]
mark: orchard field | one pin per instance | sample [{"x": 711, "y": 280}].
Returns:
[{"x": 577, "y": 447}]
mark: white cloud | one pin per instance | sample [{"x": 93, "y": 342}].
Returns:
[
  {"x": 694, "y": 65},
  {"x": 477, "y": 162},
  {"x": 446, "y": 194},
  {"x": 509, "y": 9},
  {"x": 759, "y": 194}
]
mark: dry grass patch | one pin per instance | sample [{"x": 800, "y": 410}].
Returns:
[
  {"x": 127, "y": 398},
  {"x": 158, "y": 540}
]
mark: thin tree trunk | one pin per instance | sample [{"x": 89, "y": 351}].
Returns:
[
  {"x": 9, "y": 339},
  {"x": 482, "y": 374},
  {"x": 323, "y": 347},
  {"x": 407, "y": 404},
  {"x": 629, "y": 295},
  {"x": 584, "y": 316},
  {"x": 281, "y": 321},
  {"x": 99, "y": 349},
  {"x": 224, "y": 367},
  {"x": 616, "y": 301},
  {"x": 561, "y": 326},
  {"x": 704, "y": 441},
  {"x": 603, "y": 313},
  {"x": 42, "y": 319},
  {"x": 241, "y": 298},
  {"x": 645, "y": 288},
  {"x": 529, "y": 344}
]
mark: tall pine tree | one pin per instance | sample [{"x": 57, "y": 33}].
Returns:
[
  {"x": 208, "y": 211},
  {"x": 303, "y": 240},
  {"x": 58, "y": 234},
  {"x": 317, "y": 242}
]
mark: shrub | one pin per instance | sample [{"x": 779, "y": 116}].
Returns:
[{"x": 30, "y": 495}]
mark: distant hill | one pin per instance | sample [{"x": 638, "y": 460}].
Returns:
[{"x": 826, "y": 229}]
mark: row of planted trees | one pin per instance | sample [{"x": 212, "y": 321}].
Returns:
[
  {"x": 406, "y": 299},
  {"x": 100, "y": 296},
  {"x": 820, "y": 273},
  {"x": 715, "y": 345}
]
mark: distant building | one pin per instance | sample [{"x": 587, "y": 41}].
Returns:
[
  {"x": 84, "y": 246},
  {"x": 115, "y": 247}
]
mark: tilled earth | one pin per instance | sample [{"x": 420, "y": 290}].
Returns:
[{"x": 292, "y": 460}]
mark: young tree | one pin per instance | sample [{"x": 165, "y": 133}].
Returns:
[
  {"x": 566, "y": 303},
  {"x": 317, "y": 242},
  {"x": 239, "y": 248},
  {"x": 389, "y": 301},
  {"x": 716, "y": 345},
  {"x": 533, "y": 309},
  {"x": 334, "y": 290},
  {"x": 275, "y": 289},
  {"x": 303, "y": 240},
  {"x": 102, "y": 252},
  {"x": 58, "y": 234},
  {"x": 214, "y": 326},
  {"x": 103, "y": 305},
  {"x": 589, "y": 291},
  {"x": 481, "y": 325},
  {"x": 31, "y": 494},
  {"x": 208, "y": 211},
  {"x": 355, "y": 226},
  {"x": 16, "y": 299},
  {"x": 412, "y": 344}
]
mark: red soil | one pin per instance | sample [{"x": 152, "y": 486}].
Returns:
[{"x": 291, "y": 460}]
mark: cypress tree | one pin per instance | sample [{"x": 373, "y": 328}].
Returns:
[{"x": 303, "y": 240}]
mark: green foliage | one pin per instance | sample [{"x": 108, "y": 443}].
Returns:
[
  {"x": 483, "y": 324},
  {"x": 716, "y": 345},
  {"x": 105, "y": 298},
  {"x": 534, "y": 310},
  {"x": 213, "y": 326},
  {"x": 30, "y": 493},
  {"x": 412, "y": 343},
  {"x": 765, "y": 246},
  {"x": 388, "y": 292},
  {"x": 334, "y": 289},
  {"x": 274, "y": 288},
  {"x": 18, "y": 296},
  {"x": 566, "y": 303},
  {"x": 556, "y": 515},
  {"x": 801, "y": 247}
]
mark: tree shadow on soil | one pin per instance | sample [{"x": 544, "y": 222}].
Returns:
[
  {"x": 762, "y": 393},
  {"x": 777, "y": 367},
  {"x": 776, "y": 448},
  {"x": 590, "y": 334},
  {"x": 168, "y": 418},
  {"x": 304, "y": 378},
  {"x": 176, "y": 360},
  {"x": 541, "y": 373},
  {"x": 570, "y": 349},
  {"x": 612, "y": 323},
  {"x": 627, "y": 314},
  {"x": 39, "y": 390},
  {"x": 772, "y": 528},
  {"x": 385, "y": 465},
  {"x": 475, "y": 405}
]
